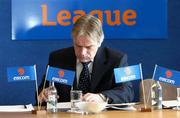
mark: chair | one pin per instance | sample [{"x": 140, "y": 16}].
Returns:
[{"x": 169, "y": 92}]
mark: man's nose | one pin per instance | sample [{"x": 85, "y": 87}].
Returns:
[{"x": 83, "y": 51}]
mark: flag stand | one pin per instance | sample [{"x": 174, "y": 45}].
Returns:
[
  {"x": 38, "y": 110},
  {"x": 144, "y": 108}
]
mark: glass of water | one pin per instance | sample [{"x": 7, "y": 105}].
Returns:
[{"x": 76, "y": 96}]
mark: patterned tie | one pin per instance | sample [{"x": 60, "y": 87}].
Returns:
[{"x": 84, "y": 79}]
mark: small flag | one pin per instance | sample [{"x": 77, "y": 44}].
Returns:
[
  {"x": 166, "y": 75},
  {"x": 23, "y": 73},
  {"x": 60, "y": 75},
  {"x": 128, "y": 73}
]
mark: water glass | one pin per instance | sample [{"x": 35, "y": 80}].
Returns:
[{"x": 76, "y": 96}]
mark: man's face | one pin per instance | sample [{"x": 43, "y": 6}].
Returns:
[{"x": 85, "y": 49}]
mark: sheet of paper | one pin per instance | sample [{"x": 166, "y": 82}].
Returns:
[
  {"x": 127, "y": 108},
  {"x": 16, "y": 108},
  {"x": 123, "y": 106},
  {"x": 64, "y": 105},
  {"x": 170, "y": 103}
]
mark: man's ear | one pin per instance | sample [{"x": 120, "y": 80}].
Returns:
[{"x": 99, "y": 44}]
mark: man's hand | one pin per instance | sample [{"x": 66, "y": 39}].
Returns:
[
  {"x": 43, "y": 96},
  {"x": 91, "y": 97}
]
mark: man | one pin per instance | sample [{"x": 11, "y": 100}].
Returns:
[{"x": 100, "y": 61}]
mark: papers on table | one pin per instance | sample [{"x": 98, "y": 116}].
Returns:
[
  {"x": 170, "y": 103},
  {"x": 123, "y": 106},
  {"x": 16, "y": 108},
  {"x": 63, "y": 105},
  {"x": 127, "y": 108}
]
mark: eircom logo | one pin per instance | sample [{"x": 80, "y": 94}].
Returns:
[
  {"x": 61, "y": 73},
  {"x": 21, "y": 71},
  {"x": 168, "y": 74},
  {"x": 60, "y": 79},
  {"x": 127, "y": 71}
]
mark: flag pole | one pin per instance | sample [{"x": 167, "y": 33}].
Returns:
[
  {"x": 152, "y": 82},
  {"x": 44, "y": 82},
  {"x": 36, "y": 86},
  {"x": 144, "y": 98}
]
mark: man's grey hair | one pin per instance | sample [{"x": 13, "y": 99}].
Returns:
[{"x": 89, "y": 26}]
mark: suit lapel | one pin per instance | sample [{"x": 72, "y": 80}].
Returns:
[
  {"x": 99, "y": 68},
  {"x": 72, "y": 63}
]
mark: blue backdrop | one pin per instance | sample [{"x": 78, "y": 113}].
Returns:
[
  {"x": 123, "y": 18},
  {"x": 164, "y": 52}
]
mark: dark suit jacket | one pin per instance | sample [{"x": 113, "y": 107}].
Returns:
[{"x": 102, "y": 78}]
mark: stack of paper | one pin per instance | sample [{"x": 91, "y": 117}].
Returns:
[
  {"x": 123, "y": 106},
  {"x": 170, "y": 103},
  {"x": 16, "y": 108}
]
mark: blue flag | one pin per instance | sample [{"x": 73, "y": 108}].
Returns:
[
  {"x": 166, "y": 75},
  {"x": 128, "y": 73},
  {"x": 60, "y": 75},
  {"x": 23, "y": 73}
]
